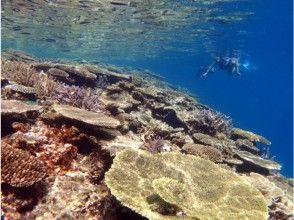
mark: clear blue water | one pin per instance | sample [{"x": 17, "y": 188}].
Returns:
[{"x": 260, "y": 100}]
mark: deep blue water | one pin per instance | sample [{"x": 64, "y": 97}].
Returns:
[{"x": 260, "y": 100}]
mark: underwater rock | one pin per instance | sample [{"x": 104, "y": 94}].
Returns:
[
  {"x": 258, "y": 161},
  {"x": 203, "y": 151},
  {"x": 176, "y": 186},
  {"x": 19, "y": 168},
  {"x": 239, "y": 133},
  {"x": 81, "y": 116}
]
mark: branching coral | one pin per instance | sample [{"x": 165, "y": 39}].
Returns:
[
  {"x": 156, "y": 145},
  {"x": 45, "y": 86},
  {"x": 19, "y": 168},
  {"x": 176, "y": 186},
  {"x": 211, "y": 122},
  {"x": 26, "y": 75},
  {"x": 19, "y": 72},
  {"x": 78, "y": 97}
]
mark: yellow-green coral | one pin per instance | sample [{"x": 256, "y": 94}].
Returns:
[{"x": 172, "y": 185}]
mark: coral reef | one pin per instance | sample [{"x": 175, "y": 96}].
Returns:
[
  {"x": 196, "y": 187},
  {"x": 239, "y": 133},
  {"x": 168, "y": 156},
  {"x": 267, "y": 188},
  {"x": 95, "y": 119},
  {"x": 156, "y": 145},
  {"x": 211, "y": 122},
  {"x": 78, "y": 97},
  {"x": 204, "y": 151},
  {"x": 281, "y": 208},
  {"x": 262, "y": 162},
  {"x": 27, "y": 76},
  {"x": 15, "y": 107},
  {"x": 19, "y": 168},
  {"x": 22, "y": 73}
]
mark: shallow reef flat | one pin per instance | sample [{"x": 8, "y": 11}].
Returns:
[{"x": 83, "y": 141}]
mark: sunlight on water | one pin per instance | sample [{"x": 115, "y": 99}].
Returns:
[{"x": 118, "y": 27}]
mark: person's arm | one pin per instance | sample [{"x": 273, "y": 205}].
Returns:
[{"x": 209, "y": 69}]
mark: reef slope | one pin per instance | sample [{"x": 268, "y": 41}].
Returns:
[{"x": 70, "y": 121}]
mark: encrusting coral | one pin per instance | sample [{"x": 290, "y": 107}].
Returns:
[
  {"x": 19, "y": 168},
  {"x": 204, "y": 151},
  {"x": 175, "y": 186}
]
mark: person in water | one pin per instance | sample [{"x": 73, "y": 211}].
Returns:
[{"x": 230, "y": 64}]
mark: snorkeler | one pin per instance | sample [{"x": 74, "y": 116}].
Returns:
[{"x": 231, "y": 64}]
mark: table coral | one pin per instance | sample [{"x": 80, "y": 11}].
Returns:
[{"x": 188, "y": 187}]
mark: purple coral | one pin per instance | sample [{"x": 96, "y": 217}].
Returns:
[
  {"x": 211, "y": 122},
  {"x": 155, "y": 145},
  {"x": 78, "y": 97}
]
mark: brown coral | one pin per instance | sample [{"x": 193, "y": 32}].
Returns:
[
  {"x": 26, "y": 75},
  {"x": 204, "y": 151},
  {"x": 55, "y": 146},
  {"x": 19, "y": 168},
  {"x": 19, "y": 72}
]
